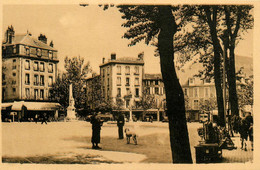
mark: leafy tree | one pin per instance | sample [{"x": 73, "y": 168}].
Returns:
[
  {"x": 147, "y": 23},
  {"x": 208, "y": 105},
  {"x": 75, "y": 74}
]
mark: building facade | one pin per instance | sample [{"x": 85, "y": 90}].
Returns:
[
  {"x": 29, "y": 69},
  {"x": 122, "y": 79}
]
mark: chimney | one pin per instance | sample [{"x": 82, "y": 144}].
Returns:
[
  {"x": 103, "y": 60},
  {"x": 9, "y": 35},
  {"x": 141, "y": 56},
  {"x": 51, "y": 43},
  {"x": 42, "y": 38},
  {"x": 113, "y": 56}
]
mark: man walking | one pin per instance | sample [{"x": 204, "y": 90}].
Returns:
[
  {"x": 36, "y": 118},
  {"x": 44, "y": 118},
  {"x": 120, "y": 124}
]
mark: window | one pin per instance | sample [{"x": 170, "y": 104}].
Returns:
[
  {"x": 35, "y": 93},
  {"x": 41, "y": 94},
  {"x": 185, "y": 92},
  {"x": 27, "y": 64},
  {"x": 42, "y": 66},
  {"x": 156, "y": 82},
  {"x": 27, "y": 78},
  {"x": 50, "y": 80},
  {"x": 127, "y": 81},
  {"x": 108, "y": 82},
  {"x": 27, "y": 51},
  {"x": 196, "y": 92},
  {"x": 39, "y": 52},
  {"x": 14, "y": 90},
  {"x": 36, "y": 79},
  {"x": 3, "y": 77},
  {"x": 127, "y": 103},
  {"x": 118, "y": 92},
  {"x": 196, "y": 104},
  {"x": 41, "y": 80},
  {"x": 107, "y": 70},
  {"x": 13, "y": 82},
  {"x": 50, "y": 68},
  {"x": 137, "y": 81},
  {"x": 127, "y": 70},
  {"x": 36, "y": 66},
  {"x": 118, "y": 69},
  {"x": 137, "y": 92},
  {"x": 136, "y": 70},
  {"x": 118, "y": 81},
  {"x": 14, "y": 64},
  {"x": 191, "y": 81},
  {"x": 148, "y": 83},
  {"x": 14, "y": 50},
  {"x": 50, "y": 55},
  {"x": 104, "y": 73},
  {"x": 206, "y": 92},
  {"x": 156, "y": 90},
  {"x": 128, "y": 91},
  {"x": 27, "y": 93},
  {"x": 14, "y": 74}
]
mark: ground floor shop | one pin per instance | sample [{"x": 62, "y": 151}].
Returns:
[{"x": 18, "y": 111}]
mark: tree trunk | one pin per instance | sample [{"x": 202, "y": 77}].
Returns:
[
  {"x": 212, "y": 22},
  {"x": 231, "y": 77},
  {"x": 179, "y": 137}
]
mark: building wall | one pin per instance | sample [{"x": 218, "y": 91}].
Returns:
[{"x": 14, "y": 62}]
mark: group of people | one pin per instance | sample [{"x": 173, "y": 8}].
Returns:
[
  {"x": 244, "y": 126},
  {"x": 43, "y": 117},
  {"x": 97, "y": 122}
]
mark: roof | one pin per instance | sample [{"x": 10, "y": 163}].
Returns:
[
  {"x": 124, "y": 60},
  {"x": 27, "y": 39},
  {"x": 152, "y": 76}
]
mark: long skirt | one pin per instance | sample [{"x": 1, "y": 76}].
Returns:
[
  {"x": 120, "y": 132},
  {"x": 95, "y": 136}
]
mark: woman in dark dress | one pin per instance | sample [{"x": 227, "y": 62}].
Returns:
[
  {"x": 96, "y": 127},
  {"x": 120, "y": 124}
]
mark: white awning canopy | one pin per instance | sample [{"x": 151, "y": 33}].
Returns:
[
  {"x": 17, "y": 106},
  {"x": 41, "y": 106}
]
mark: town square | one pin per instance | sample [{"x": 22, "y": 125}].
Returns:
[{"x": 122, "y": 84}]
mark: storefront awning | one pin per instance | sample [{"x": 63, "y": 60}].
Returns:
[
  {"x": 4, "y": 106},
  {"x": 41, "y": 106},
  {"x": 37, "y": 106}
]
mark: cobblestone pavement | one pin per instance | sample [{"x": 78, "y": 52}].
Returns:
[{"x": 238, "y": 155}]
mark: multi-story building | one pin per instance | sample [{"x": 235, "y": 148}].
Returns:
[
  {"x": 122, "y": 78},
  {"x": 29, "y": 68}
]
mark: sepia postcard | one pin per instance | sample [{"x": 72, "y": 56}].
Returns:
[{"x": 129, "y": 84}]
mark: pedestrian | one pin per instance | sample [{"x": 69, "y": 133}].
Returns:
[
  {"x": 120, "y": 124},
  {"x": 36, "y": 118},
  {"x": 44, "y": 118},
  {"x": 96, "y": 127},
  {"x": 249, "y": 120},
  {"x": 151, "y": 119}
]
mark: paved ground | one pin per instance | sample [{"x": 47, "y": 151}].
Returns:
[{"x": 60, "y": 141}]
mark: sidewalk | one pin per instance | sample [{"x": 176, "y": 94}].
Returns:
[{"x": 237, "y": 155}]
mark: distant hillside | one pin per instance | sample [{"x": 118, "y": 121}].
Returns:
[{"x": 192, "y": 69}]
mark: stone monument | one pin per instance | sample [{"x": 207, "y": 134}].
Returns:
[{"x": 71, "y": 114}]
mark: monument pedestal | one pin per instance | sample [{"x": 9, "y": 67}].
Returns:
[{"x": 71, "y": 114}]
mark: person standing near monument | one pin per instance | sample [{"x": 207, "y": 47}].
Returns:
[
  {"x": 120, "y": 124},
  {"x": 96, "y": 128}
]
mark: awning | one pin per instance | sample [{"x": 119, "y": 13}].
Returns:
[
  {"x": 17, "y": 106},
  {"x": 4, "y": 106},
  {"x": 45, "y": 106},
  {"x": 48, "y": 106}
]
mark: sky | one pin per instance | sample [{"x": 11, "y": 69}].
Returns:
[{"x": 88, "y": 32}]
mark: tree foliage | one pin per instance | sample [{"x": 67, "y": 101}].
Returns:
[{"x": 75, "y": 74}]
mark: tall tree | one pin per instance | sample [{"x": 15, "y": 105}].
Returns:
[
  {"x": 76, "y": 72},
  {"x": 146, "y": 23}
]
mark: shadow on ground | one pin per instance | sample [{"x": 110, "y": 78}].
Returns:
[{"x": 155, "y": 147}]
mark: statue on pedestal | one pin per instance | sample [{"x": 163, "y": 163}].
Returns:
[{"x": 71, "y": 114}]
